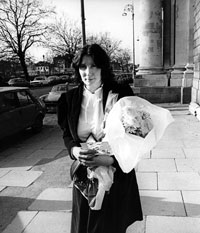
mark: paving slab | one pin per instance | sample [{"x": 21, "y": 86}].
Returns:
[
  {"x": 166, "y": 203},
  {"x": 50, "y": 136},
  {"x": 22, "y": 219},
  {"x": 57, "y": 144},
  {"x": 147, "y": 180},
  {"x": 46, "y": 153},
  {"x": 163, "y": 224},
  {"x": 50, "y": 222},
  {"x": 19, "y": 178},
  {"x": 3, "y": 172},
  {"x": 7, "y": 152},
  {"x": 37, "y": 142},
  {"x": 53, "y": 199},
  {"x": 192, "y": 203},
  {"x": 137, "y": 227},
  {"x": 157, "y": 165},
  {"x": 188, "y": 165},
  {"x": 2, "y": 157},
  {"x": 192, "y": 153},
  {"x": 17, "y": 152},
  {"x": 19, "y": 163},
  {"x": 191, "y": 143},
  {"x": 176, "y": 143},
  {"x": 2, "y": 188},
  {"x": 170, "y": 153},
  {"x": 179, "y": 181},
  {"x": 70, "y": 185}
]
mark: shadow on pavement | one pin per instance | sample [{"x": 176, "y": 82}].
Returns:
[
  {"x": 16, "y": 139},
  {"x": 11, "y": 206}
]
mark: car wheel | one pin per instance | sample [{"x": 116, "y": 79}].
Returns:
[{"x": 38, "y": 124}]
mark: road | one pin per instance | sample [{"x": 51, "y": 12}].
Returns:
[{"x": 38, "y": 91}]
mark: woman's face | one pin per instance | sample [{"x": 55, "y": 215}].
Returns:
[{"x": 90, "y": 74}]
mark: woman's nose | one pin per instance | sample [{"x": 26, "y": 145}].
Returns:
[{"x": 88, "y": 70}]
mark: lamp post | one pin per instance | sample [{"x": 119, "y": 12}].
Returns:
[
  {"x": 83, "y": 22},
  {"x": 129, "y": 8}
]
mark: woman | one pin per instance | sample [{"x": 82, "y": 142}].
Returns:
[{"x": 81, "y": 113}]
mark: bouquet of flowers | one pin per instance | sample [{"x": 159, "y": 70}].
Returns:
[
  {"x": 133, "y": 127},
  {"x": 136, "y": 122}
]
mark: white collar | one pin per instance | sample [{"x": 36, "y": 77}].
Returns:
[{"x": 97, "y": 92}]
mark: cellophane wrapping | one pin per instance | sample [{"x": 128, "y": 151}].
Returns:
[{"x": 128, "y": 148}]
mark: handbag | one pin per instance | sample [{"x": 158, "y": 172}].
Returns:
[{"x": 88, "y": 187}]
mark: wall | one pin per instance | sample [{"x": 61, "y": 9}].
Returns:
[{"x": 196, "y": 79}]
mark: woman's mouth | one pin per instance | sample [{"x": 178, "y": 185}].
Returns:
[{"x": 88, "y": 80}]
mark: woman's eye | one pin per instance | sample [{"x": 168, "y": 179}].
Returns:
[{"x": 82, "y": 67}]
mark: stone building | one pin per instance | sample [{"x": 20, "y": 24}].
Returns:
[
  {"x": 42, "y": 68},
  {"x": 165, "y": 49},
  {"x": 195, "y": 98}
]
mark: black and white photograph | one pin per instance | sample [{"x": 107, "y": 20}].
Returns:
[{"x": 99, "y": 116}]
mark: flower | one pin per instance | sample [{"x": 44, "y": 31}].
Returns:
[{"x": 136, "y": 122}]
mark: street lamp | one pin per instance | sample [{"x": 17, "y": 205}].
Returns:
[
  {"x": 83, "y": 22},
  {"x": 129, "y": 8}
]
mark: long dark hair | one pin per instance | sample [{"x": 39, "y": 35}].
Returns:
[{"x": 100, "y": 58}]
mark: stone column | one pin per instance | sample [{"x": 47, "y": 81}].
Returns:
[
  {"x": 168, "y": 35},
  {"x": 150, "y": 37},
  {"x": 182, "y": 44},
  {"x": 150, "y": 71},
  {"x": 188, "y": 74}
]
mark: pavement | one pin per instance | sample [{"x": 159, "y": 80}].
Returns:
[{"x": 168, "y": 179}]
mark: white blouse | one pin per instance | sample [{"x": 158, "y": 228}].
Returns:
[{"x": 91, "y": 115}]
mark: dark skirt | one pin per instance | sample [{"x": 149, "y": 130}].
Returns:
[{"x": 121, "y": 207}]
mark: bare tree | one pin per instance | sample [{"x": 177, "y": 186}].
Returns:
[
  {"x": 64, "y": 38},
  {"x": 123, "y": 57},
  {"x": 22, "y": 24}
]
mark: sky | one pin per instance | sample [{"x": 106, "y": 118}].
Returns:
[{"x": 101, "y": 16}]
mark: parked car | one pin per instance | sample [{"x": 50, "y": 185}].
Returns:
[
  {"x": 52, "y": 97},
  {"x": 19, "y": 110},
  {"x": 18, "y": 82},
  {"x": 64, "y": 78},
  {"x": 39, "y": 81},
  {"x": 53, "y": 79}
]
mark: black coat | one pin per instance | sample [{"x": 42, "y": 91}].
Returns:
[{"x": 121, "y": 207}]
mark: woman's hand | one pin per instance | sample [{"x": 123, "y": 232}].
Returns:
[
  {"x": 83, "y": 154},
  {"x": 91, "y": 158},
  {"x": 96, "y": 160},
  {"x": 87, "y": 154}
]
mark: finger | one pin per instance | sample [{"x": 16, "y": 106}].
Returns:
[
  {"x": 85, "y": 152},
  {"x": 83, "y": 162},
  {"x": 85, "y": 158},
  {"x": 90, "y": 163},
  {"x": 87, "y": 162}
]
